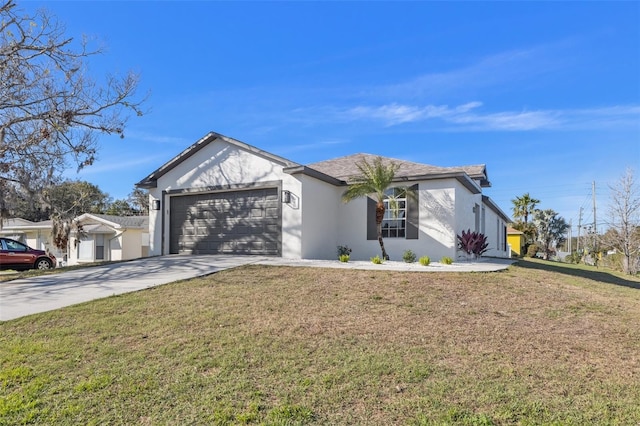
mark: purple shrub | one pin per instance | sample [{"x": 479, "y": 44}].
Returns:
[{"x": 472, "y": 242}]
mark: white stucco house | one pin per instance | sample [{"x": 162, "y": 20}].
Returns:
[
  {"x": 221, "y": 195},
  {"x": 108, "y": 238},
  {"x": 36, "y": 235}
]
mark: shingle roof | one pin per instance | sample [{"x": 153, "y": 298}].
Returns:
[
  {"x": 344, "y": 168},
  {"x": 19, "y": 223},
  {"x": 123, "y": 221}
]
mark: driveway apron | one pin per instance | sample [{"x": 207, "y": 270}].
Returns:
[{"x": 28, "y": 296}]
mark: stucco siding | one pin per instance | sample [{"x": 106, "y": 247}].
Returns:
[
  {"x": 436, "y": 235},
  {"x": 319, "y": 208},
  {"x": 131, "y": 244},
  {"x": 495, "y": 232},
  {"x": 221, "y": 164}
]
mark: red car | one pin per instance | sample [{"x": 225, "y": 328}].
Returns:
[{"x": 15, "y": 255}]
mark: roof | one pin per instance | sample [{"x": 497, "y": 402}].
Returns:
[
  {"x": 513, "y": 231},
  {"x": 342, "y": 169},
  {"x": 151, "y": 180},
  {"x": 493, "y": 206},
  {"x": 24, "y": 224},
  {"x": 117, "y": 222}
]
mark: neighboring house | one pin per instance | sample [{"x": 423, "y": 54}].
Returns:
[
  {"x": 515, "y": 239},
  {"x": 221, "y": 195},
  {"x": 36, "y": 235},
  {"x": 104, "y": 237}
]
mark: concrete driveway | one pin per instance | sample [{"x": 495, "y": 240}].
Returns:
[{"x": 28, "y": 296}]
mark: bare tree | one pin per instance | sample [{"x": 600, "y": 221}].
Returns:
[
  {"x": 68, "y": 200},
  {"x": 624, "y": 221},
  {"x": 139, "y": 199},
  {"x": 51, "y": 111}
]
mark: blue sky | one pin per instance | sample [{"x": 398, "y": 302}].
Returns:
[{"x": 546, "y": 94}]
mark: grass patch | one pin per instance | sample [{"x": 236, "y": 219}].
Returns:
[{"x": 278, "y": 345}]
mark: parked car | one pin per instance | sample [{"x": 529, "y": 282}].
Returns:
[{"x": 15, "y": 255}]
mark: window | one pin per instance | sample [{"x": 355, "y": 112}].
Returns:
[
  {"x": 394, "y": 222},
  {"x": 476, "y": 211},
  {"x": 100, "y": 247},
  {"x": 15, "y": 246}
]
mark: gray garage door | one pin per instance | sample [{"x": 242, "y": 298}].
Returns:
[{"x": 237, "y": 222}]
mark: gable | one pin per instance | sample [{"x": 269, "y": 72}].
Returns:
[
  {"x": 115, "y": 222},
  {"x": 201, "y": 155}
]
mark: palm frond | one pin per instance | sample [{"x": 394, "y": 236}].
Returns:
[{"x": 374, "y": 178}]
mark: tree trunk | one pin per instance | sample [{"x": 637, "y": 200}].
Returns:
[
  {"x": 626, "y": 264},
  {"x": 379, "y": 217}
]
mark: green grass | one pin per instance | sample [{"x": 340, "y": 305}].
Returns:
[{"x": 294, "y": 346}]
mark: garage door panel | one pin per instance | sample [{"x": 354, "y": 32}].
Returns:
[{"x": 243, "y": 222}]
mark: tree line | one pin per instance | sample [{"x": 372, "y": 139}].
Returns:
[{"x": 620, "y": 243}]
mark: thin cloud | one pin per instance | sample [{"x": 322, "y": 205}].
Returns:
[
  {"x": 469, "y": 117},
  {"x": 488, "y": 71}
]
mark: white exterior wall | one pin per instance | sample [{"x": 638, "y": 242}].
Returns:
[
  {"x": 495, "y": 232},
  {"x": 218, "y": 164},
  {"x": 131, "y": 244},
  {"x": 319, "y": 205},
  {"x": 437, "y": 218},
  {"x": 436, "y": 234},
  {"x": 465, "y": 215},
  {"x": 119, "y": 246},
  {"x": 352, "y": 228}
]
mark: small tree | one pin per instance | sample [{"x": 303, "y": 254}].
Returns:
[
  {"x": 624, "y": 221},
  {"x": 551, "y": 230},
  {"x": 375, "y": 179}
]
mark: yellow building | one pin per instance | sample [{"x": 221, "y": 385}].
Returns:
[{"x": 515, "y": 239}]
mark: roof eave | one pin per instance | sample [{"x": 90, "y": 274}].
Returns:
[
  {"x": 461, "y": 177},
  {"x": 98, "y": 219},
  {"x": 493, "y": 206},
  {"x": 308, "y": 171}
]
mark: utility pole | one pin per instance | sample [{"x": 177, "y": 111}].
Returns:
[
  {"x": 595, "y": 229},
  {"x": 593, "y": 193},
  {"x": 579, "y": 226},
  {"x": 570, "y": 236}
]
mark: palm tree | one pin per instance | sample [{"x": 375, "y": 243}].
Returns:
[
  {"x": 524, "y": 206},
  {"x": 375, "y": 179},
  {"x": 551, "y": 229}
]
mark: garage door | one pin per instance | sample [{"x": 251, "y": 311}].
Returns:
[{"x": 237, "y": 222}]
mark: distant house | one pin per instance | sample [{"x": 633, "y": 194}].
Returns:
[
  {"x": 221, "y": 195},
  {"x": 516, "y": 241},
  {"x": 104, "y": 237},
  {"x": 36, "y": 235}
]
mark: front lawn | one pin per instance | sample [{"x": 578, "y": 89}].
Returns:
[{"x": 536, "y": 344}]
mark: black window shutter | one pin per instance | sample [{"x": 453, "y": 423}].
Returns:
[
  {"x": 372, "y": 230},
  {"x": 413, "y": 215}
]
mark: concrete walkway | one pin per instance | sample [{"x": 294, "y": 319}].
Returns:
[{"x": 28, "y": 296}]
